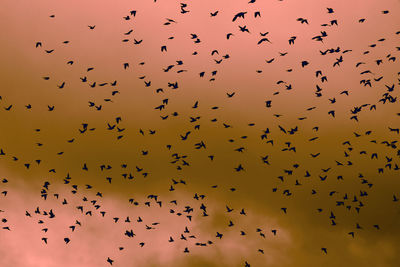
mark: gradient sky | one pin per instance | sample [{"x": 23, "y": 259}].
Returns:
[{"x": 322, "y": 211}]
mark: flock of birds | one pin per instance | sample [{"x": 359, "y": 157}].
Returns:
[{"x": 191, "y": 143}]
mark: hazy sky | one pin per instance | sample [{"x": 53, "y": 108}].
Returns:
[{"x": 157, "y": 111}]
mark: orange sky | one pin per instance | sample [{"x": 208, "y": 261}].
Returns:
[{"x": 161, "y": 159}]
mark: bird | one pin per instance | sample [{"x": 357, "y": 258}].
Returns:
[
  {"x": 263, "y": 40},
  {"x": 110, "y": 261},
  {"x": 243, "y": 28},
  {"x": 213, "y": 14},
  {"x": 239, "y": 15}
]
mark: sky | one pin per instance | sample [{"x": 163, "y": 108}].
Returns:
[{"x": 215, "y": 146}]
